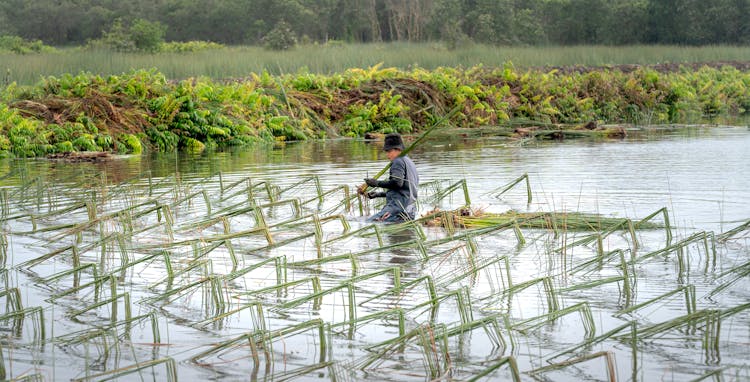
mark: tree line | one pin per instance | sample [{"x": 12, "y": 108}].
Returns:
[{"x": 499, "y": 22}]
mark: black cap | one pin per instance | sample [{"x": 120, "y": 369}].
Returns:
[{"x": 393, "y": 141}]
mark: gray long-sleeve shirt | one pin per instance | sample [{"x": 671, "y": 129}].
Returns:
[{"x": 402, "y": 186}]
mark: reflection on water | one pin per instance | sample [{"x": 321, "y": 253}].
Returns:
[{"x": 700, "y": 175}]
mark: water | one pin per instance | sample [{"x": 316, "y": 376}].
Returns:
[{"x": 700, "y": 175}]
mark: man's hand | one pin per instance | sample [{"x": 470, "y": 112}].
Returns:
[
  {"x": 373, "y": 195},
  {"x": 361, "y": 189},
  {"x": 371, "y": 182}
]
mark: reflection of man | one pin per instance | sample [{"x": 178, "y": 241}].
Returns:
[{"x": 401, "y": 194}]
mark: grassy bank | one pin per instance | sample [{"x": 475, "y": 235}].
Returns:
[
  {"x": 237, "y": 62},
  {"x": 144, "y": 109}
]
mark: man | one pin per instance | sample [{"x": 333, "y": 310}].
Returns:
[{"x": 401, "y": 186}]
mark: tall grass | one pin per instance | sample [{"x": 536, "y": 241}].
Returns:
[{"x": 233, "y": 62}]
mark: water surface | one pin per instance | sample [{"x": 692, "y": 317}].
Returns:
[{"x": 699, "y": 174}]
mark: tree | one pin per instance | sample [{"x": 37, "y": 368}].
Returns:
[
  {"x": 147, "y": 35},
  {"x": 281, "y": 37}
]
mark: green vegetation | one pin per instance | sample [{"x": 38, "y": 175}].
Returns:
[
  {"x": 142, "y": 110},
  {"x": 195, "y": 59},
  {"x": 497, "y": 22},
  {"x": 15, "y": 44}
]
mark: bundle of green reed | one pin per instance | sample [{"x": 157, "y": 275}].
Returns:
[{"x": 567, "y": 221}]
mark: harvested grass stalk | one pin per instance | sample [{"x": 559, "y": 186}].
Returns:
[
  {"x": 317, "y": 297},
  {"x": 588, "y": 343},
  {"x": 255, "y": 308},
  {"x": 569, "y": 221},
  {"x": 12, "y": 299},
  {"x": 314, "y": 283},
  {"x": 463, "y": 304},
  {"x": 261, "y": 339},
  {"x": 707, "y": 239},
  {"x": 123, "y": 371},
  {"x": 552, "y": 299},
  {"x": 510, "y": 361},
  {"x": 83, "y": 336},
  {"x": 37, "y": 319},
  {"x": 36, "y": 261},
  {"x": 738, "y": 273},
  {"x": 716, "y": 375},
  {"x": 582, "y": 308},
  {"x": 430, "y": 286},
  {"x": 734, "y": 231},
  {"x": 490, "y": 325},
  {"x": 442, "y": 194},
  {"x": 484, "y": 266},
  {"x": 503, "y": 189},
  {"x": 125, "y": 296},
  {"x": 398, "y": 312},
  {"x": 641, "y": 224},
  {"x": 687, "y": 290},
  {"x": 608, "y": 356}
]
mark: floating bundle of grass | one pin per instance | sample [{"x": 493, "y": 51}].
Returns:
[{"x": 566, "y": 221}]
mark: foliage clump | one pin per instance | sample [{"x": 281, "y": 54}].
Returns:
[
  {"x": 139, "y": 36},
  {"x": 188, "y": 46},
  {"x": 15, "y": 44},
  {"x": 141, "y": 110}
]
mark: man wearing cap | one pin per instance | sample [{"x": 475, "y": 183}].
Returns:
[{"x": 401, "y": 186}]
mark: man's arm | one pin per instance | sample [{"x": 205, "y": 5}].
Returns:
[{"x": 397, "y": 175}]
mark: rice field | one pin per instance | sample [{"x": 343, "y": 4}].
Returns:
[{"x": 232, "y": 275}]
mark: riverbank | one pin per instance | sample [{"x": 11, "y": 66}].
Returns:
[{"x": 144, "y": 110}]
